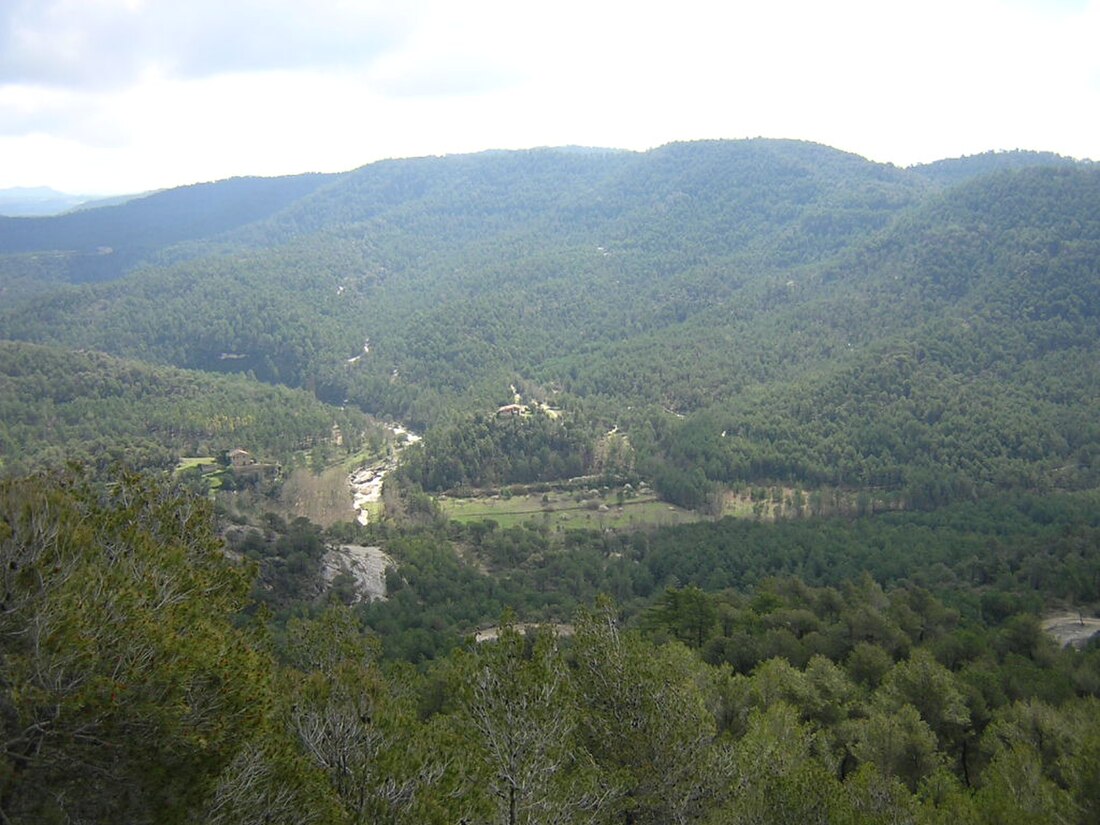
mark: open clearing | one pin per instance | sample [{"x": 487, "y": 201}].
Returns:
[
  {"x": 562, "y": 510},
  {"x": 207, "y": 465},
  {"x": 1071, "y": 628}
]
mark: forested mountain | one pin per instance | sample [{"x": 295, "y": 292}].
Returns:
[
  {"x": 840, "y": 321},
  {"x": 896, "y": 369},
  {"x": 956, "y": 170},
  {"x": 463, "y": 269},
  {"x": 21, "y": 201},
  {"x": 105, "y": 242},
  {"x": 962, "y": 342}
]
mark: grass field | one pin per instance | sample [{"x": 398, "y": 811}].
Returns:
[
  {"x": 562, "y": 510},
  {"x": 187, "y": 462},
  {"x": 214, "y": 479}
]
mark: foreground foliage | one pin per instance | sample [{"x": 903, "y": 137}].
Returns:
[
  {"x": 125, "y": 685},
  {"x": 132, "y": 691}
]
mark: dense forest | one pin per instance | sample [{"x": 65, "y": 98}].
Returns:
[
  {"x": 138, "y": 689},
  {"x": 104, "y": 242},
  {"x": 59, "y": 406},
  {"x": 872, "y": 392},
  {"x": 842, "y": 322}
]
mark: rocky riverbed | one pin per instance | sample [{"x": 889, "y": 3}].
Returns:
[{"x": 366, "y": 481}]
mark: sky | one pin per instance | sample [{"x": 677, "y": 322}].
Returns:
[{"x": 119, "y": 96}]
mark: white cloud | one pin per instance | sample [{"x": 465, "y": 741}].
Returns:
[
  {"x": 112, "y": 43},
  {"x": 108, "y": 95}
]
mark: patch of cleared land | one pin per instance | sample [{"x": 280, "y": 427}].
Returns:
[
  {"x": 1071, "y": 629},
  {"x": 573, "y": 509},
  {"x": 767, "y": 504},
  {"x": 563, "y": 510}
]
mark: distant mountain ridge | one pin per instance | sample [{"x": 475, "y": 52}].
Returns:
[
  {"x": 142, "y": 225},
  {"x": 956, "y": 170},
  {"x": 105, "y": 242},
  {"x": 37, "y": 200},
  {"x": 43, "y": 202}
]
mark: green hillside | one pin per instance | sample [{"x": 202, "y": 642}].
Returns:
[
  {"x": 532, "y": 251},
  {"x": 960, "y": 345},
  {"x": 885, "y": 379},
  {"x": 840, "y": 321},
  {"x": 950, "y": 171},
  {"x": 106, "y": 241},
  {"x": 59, "y": 406}
]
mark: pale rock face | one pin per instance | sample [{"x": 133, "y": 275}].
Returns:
[
  {"x": 367, "y": 565},
  {"x": 1071, "y": 629}
]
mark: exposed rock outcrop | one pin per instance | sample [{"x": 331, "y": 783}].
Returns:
[{"x": 366, "y": 565}]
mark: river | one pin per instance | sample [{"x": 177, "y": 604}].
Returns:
[{"x": 366, "y": 481}]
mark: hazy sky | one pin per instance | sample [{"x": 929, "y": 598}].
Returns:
[{"x": 105, "y": 96}]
